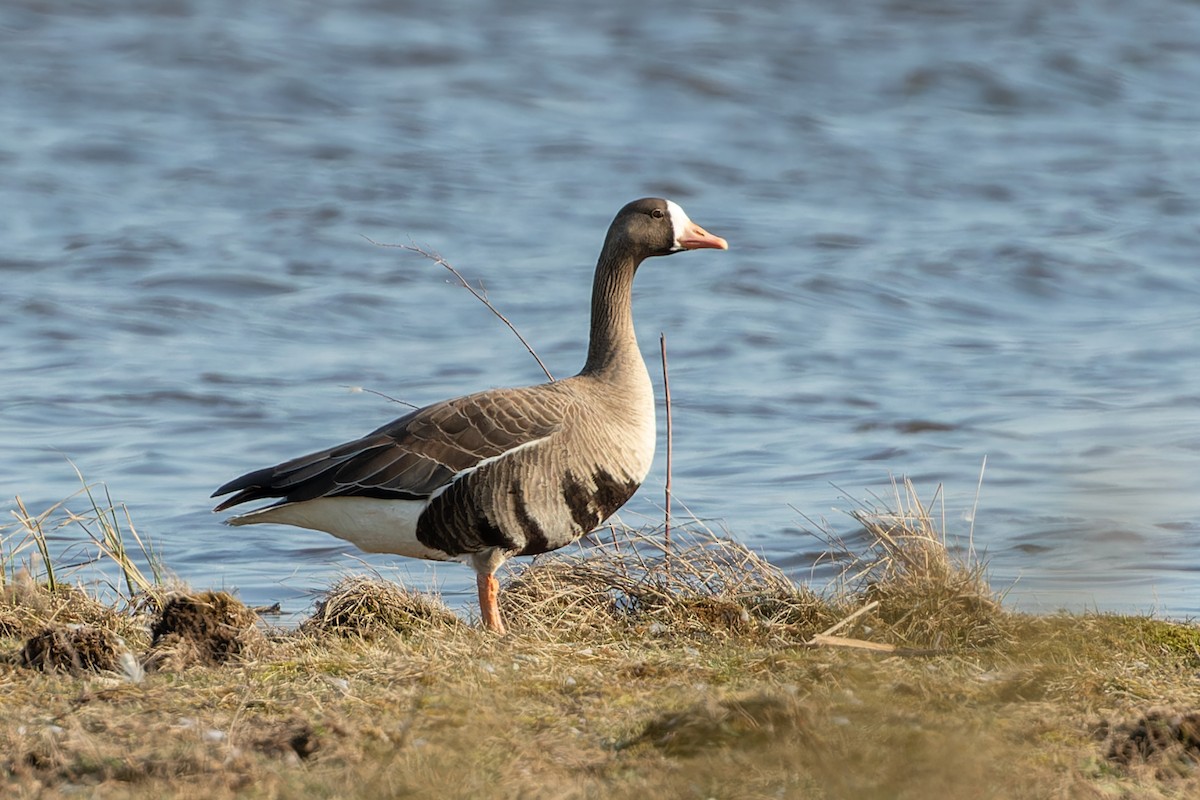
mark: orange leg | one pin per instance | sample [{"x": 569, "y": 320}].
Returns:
[{"x": 489, "y": 607}]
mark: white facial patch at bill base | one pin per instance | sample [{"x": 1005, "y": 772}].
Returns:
[{"x": 679, "y": 221}]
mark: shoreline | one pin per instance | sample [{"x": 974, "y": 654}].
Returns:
[{"x": 631, "y": 671}]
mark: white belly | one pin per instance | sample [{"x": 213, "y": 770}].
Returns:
[{"x": 371, "y": 524}]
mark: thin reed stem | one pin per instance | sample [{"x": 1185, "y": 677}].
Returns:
[
  {"x": 34, "y": 526},
  {"x": 662, "y": 342},
  {"x": 387, "y": 397},
  {"x": 479, "y": 295},
  {"x": 975, "y": 509}
]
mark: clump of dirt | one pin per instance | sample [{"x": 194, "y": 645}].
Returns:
[
  {"x": 74, "y": 649},
  {"x": 207, "y": 628},
  {"x": 1168, "y": 739},
  {"x": 294, "y": 737},
  {"x": 363, "y": 606},
  {"x": 743, "y": 722}
]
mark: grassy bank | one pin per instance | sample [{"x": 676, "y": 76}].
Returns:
[{"x": 628, "y": 672}]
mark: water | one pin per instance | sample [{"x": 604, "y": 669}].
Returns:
[{"x": 958, "y": 230}]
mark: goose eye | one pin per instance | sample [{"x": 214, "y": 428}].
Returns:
[{"x": 657, "y": 213}]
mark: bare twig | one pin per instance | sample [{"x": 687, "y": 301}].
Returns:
[
  {"x": 479, "y": 295},
  {"x": 379, "y": 394},
  {"x": 824, "y": 639},
  {"x": 975, "y": 509},
  {"x": 662, "y": 341},
  {"x": 830, "y": 631}
]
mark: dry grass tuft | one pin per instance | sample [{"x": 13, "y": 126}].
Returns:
[
  {"x": 27, "y": 608},
  {"x": 112, "y": 540},
  {"x": 905, "y": 589},
  {"x": 207, "y": 628},
  {"x": 920, "y": 594},
  {"x": 701, "y": 585},
  {"x": 561, "y": 593},
  {"x": 364, "y": 606}
]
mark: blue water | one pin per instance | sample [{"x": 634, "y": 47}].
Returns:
[{"x": 958, "y": 230}]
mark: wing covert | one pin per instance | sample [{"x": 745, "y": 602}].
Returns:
[{"x": 413, "y": 456}]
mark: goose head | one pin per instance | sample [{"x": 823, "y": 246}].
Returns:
[{"x": 653, "y": 226}]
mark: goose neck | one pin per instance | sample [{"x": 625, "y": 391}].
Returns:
[{"x": 612, "y": 342}]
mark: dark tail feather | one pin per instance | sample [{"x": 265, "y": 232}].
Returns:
[{"x": 251, "y": 486}]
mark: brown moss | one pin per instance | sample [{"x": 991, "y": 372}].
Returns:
[
  {"x": 77, "y": 649},
  {"x": 294, "y": 737},
  {"x": 744, "y": 722},
  {"x": 1166, "y": 739},
  {"x": 206, "y": 627}
]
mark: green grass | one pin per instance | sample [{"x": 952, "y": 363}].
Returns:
[{"x": 111, "y": 536}]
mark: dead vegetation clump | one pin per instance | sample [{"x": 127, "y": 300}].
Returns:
[
  {"x": 10, "y": 622},
  {"x": 75, "y": 649},
  {"x": 560, "y": 593},
  {"x": 1166, "y": 740},
  {"x": 700, "y": 584},
  {"x": 912, "y": 589},
  {"x": 63, "y": 626},
  {"x": 208, "y": 628},
  {"x": 27, "y": 607},
  {"x": 359, "y": 605},
  {"x": 903, "y": 591}
]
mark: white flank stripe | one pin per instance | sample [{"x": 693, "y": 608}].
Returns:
[{"x": 458, "y": 476}]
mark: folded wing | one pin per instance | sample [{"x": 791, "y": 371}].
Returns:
[{"x": 413, "y": 456}]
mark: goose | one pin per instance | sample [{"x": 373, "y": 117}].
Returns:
[{"x": 502, "y": 472}]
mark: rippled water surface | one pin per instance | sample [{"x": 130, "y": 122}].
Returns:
[{"x": 958, "y": 230}]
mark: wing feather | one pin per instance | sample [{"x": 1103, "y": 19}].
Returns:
[{"x": 412, "y": 457}]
